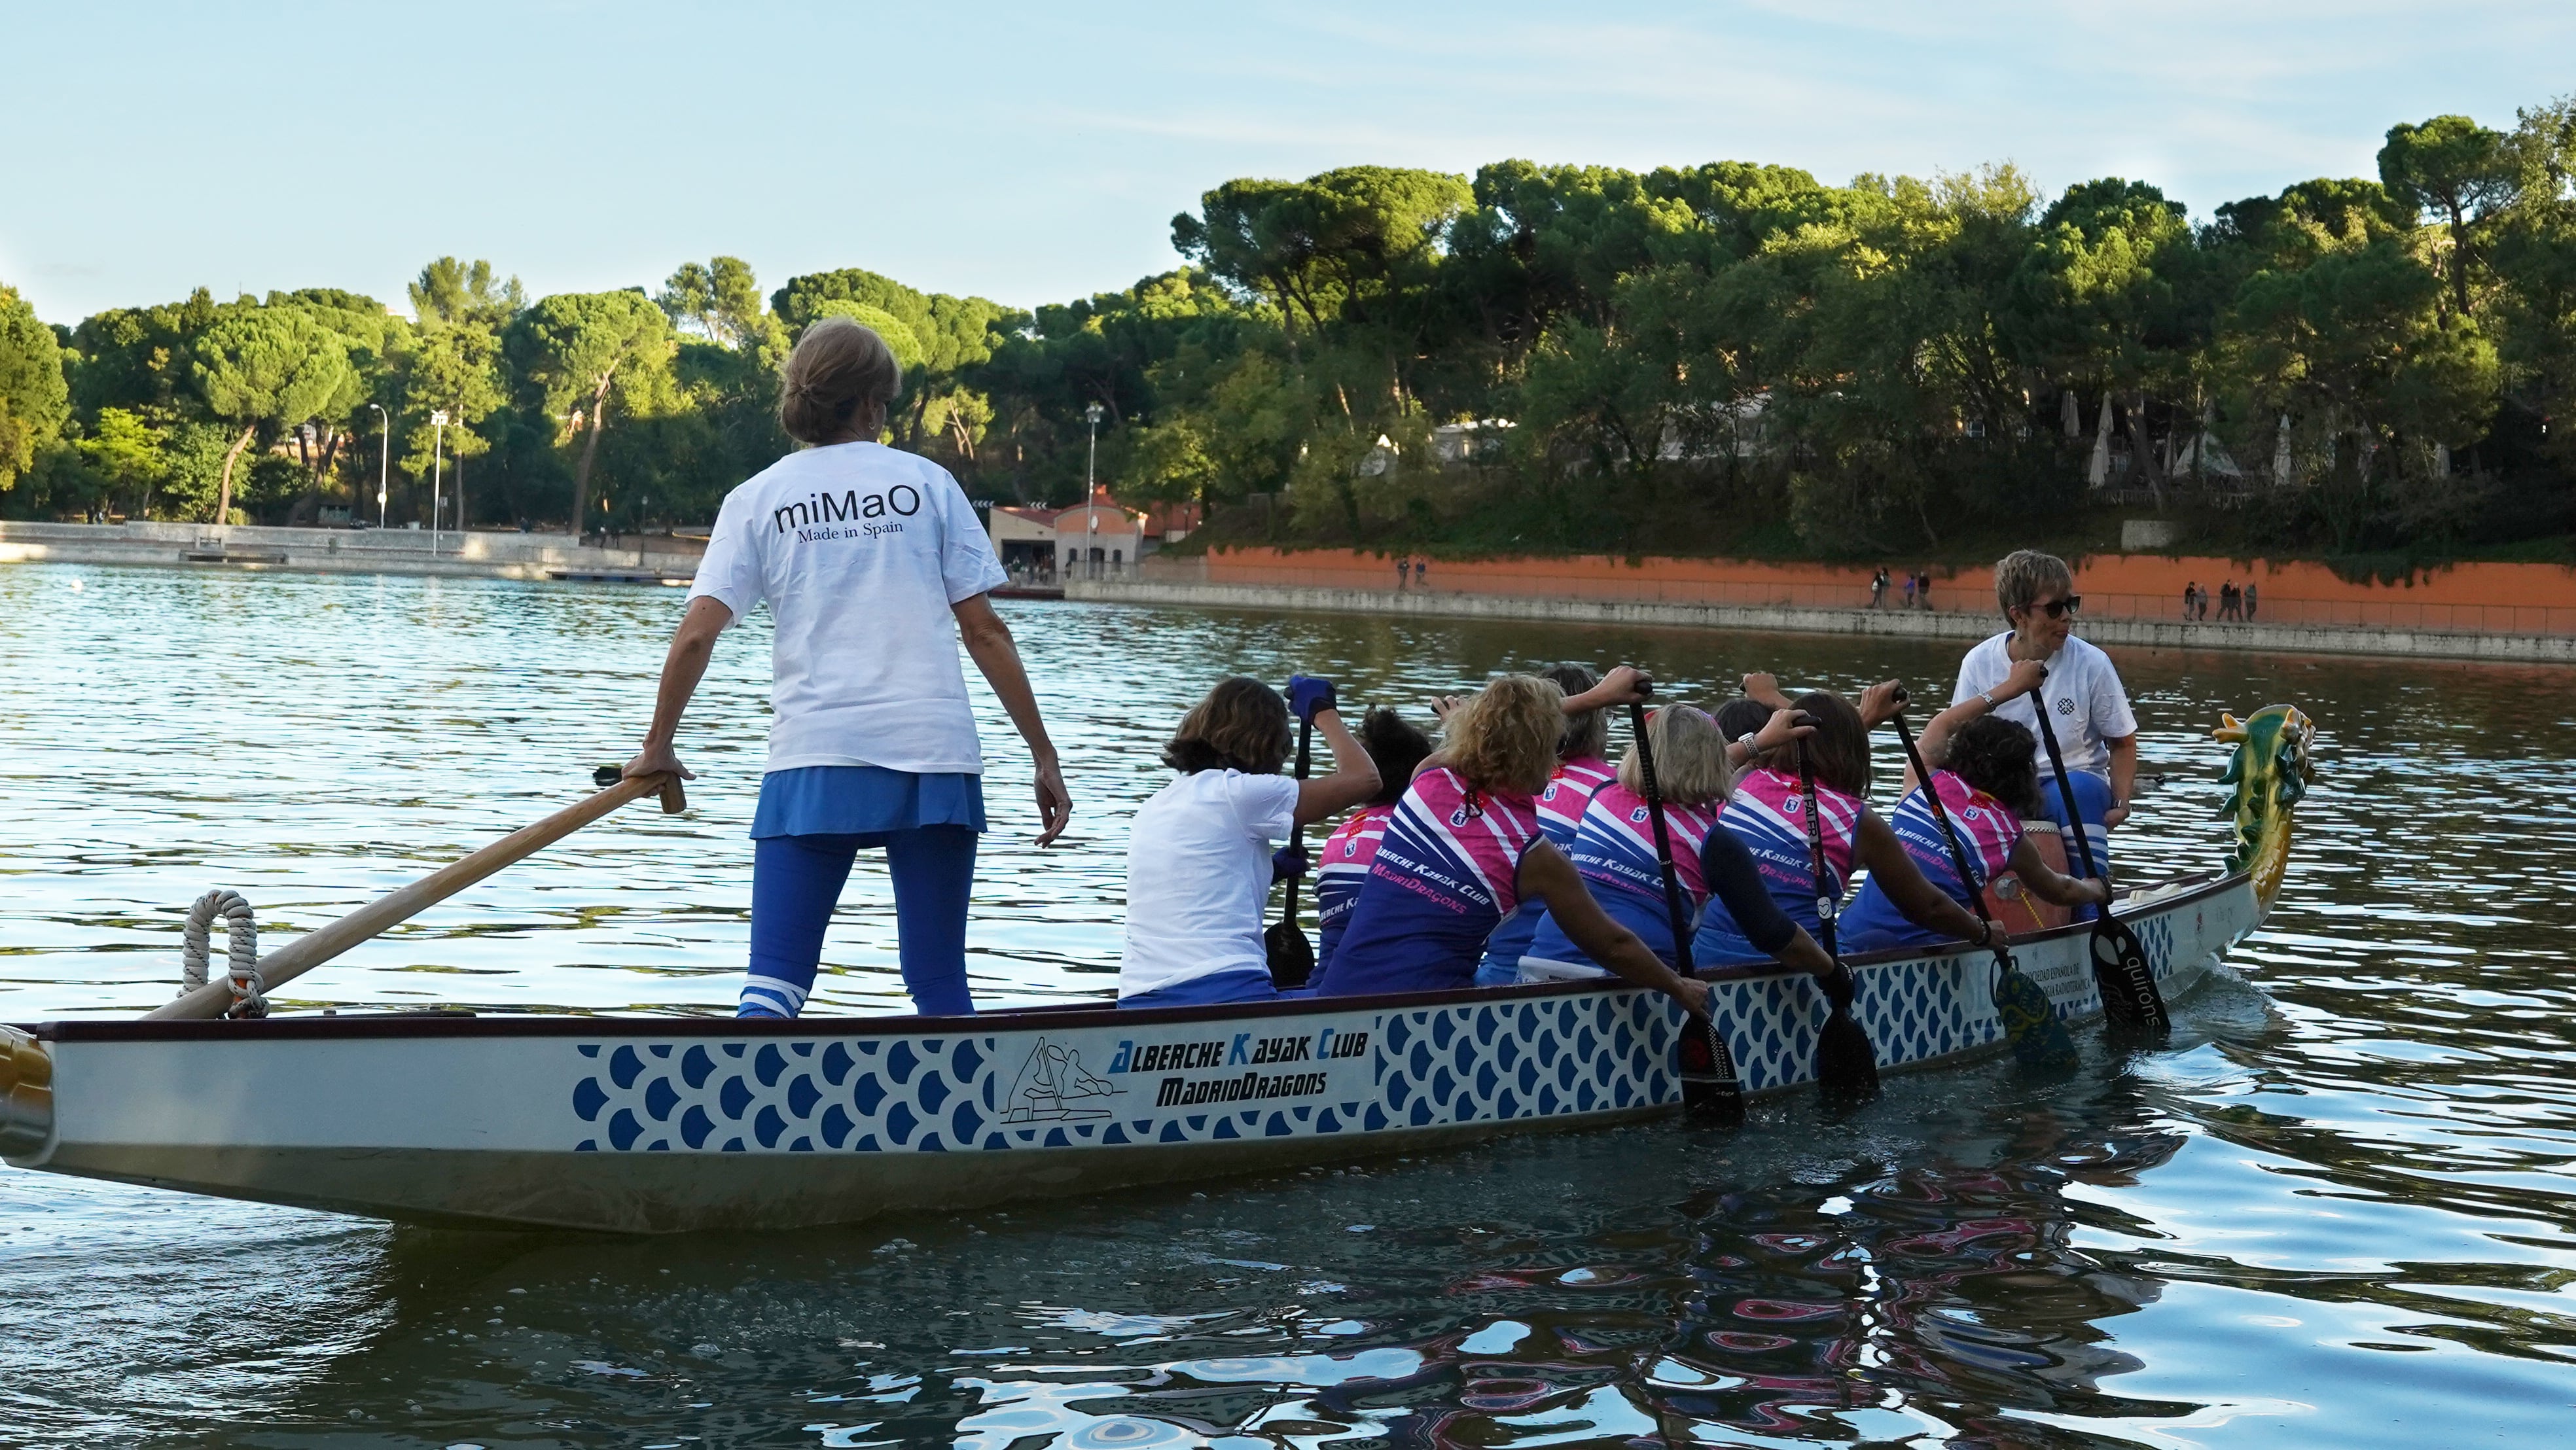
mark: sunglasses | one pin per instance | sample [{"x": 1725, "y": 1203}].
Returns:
[{"x": 2060, "y": 608}]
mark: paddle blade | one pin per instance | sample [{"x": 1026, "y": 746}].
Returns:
[
  {"x": 1846, "y": 1064},
  {"x": 2131, "y": 1001},
  {"x": 1292, "y": 957},
  {"x": 1709, "y": 1083},
  {"x": 2039, "y": 1040}
]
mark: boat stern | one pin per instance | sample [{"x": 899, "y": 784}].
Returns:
[{"x": 26, "y": 1095}]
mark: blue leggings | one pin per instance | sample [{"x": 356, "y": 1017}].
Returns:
[{"x": 796, "y": 881}]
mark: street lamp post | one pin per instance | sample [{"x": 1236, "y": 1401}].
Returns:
[
  {"x": 1092, "y": 415},
  {"x": 437, "y": 474},
  {"x": 1090, "y": 488},
  {"x": 384, "y": 459}
]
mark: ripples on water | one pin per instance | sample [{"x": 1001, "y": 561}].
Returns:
[{"x": 2337, "y": 1211}]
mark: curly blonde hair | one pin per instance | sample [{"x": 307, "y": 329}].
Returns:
[
  {"x": 1690, "y": 758},
  {"x": 1505, "y": 738}
]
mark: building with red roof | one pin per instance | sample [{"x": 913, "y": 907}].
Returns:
[{"x": 1096, "y": 540}]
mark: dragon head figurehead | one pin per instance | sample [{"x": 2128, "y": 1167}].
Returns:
[{"x": 2271, "y": 770}]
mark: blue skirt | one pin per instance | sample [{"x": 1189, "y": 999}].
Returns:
[{"x": 867, "y": 801}]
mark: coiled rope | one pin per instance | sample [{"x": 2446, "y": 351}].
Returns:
[{"x": 241, "y": 951}]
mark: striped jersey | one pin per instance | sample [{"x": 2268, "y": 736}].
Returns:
[
  {"x": 1988, "y": 831},
  {"x": 1447, "y": 872},
  {"x": 1614, "y": 852},
  {"x": 1348, "y": 851},
  {"x": 1560, "y": 815},
  {"x": 1768, "y": 814},
  {"x": 1569, "y": 792}
]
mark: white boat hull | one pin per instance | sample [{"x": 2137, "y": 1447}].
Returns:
[{"x": 655, "y": 1125}]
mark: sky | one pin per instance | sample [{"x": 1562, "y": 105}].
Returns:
[{"x": 1034, "y": 153}]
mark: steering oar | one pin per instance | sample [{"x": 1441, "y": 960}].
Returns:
[{"x": 316, "y": 947}]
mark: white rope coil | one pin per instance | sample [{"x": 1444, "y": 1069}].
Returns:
[{"x": 241, "y": 951}]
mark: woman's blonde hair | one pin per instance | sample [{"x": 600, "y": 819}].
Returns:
[
  {"x": 1690, "y": 758},
  {"x": 839, "y": 370},
  {"x": 1505, "y": 738}
]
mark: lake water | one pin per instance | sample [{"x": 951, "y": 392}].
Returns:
[{"x": 2337, "y": 1210}]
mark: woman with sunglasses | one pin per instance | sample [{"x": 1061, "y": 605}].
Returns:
[{"x": 2086, "y": 704}]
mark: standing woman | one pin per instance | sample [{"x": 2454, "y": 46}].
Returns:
[{"x": 873, "y": 566}]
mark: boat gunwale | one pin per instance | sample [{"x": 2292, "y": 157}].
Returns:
[{"x": 452, "y": 1022}]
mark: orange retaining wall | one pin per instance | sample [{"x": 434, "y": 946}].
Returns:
[{"x": 2484, "y": 598}]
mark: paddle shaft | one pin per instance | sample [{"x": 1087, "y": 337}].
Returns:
[
  {"x": 2127, "y": 971},
  {"x": 316, "y": 947},
  {"x": 1825, "y": 895},
  {"x": 1663, "y": 841},
  {"x": 2065, "y": 788},
  {"x": 1297, "y": 834}
]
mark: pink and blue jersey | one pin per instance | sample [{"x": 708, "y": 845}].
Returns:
[
  {"x": 1614, "y": 852},
  {"x": 1768, "y": 814},
  {"x": 1348, "y": 852},
  {"x": 1988, "y": 831},
  {"x": 1560, "y": 816},
  {"x": 1447, "y": 872}
]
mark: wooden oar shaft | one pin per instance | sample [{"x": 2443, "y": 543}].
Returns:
[{"x": 316, "y": 947}]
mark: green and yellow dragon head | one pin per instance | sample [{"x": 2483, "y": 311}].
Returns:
[{"x": 2271, "y": 770}]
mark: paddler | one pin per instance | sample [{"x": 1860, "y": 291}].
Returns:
[
  {"x": 1464, "y": 850},
  {"x": 1580, "y": 770},
  {"x": 874, "y": 567},
  {"x": 2086, "y": 704},
  {"x": 1397, "y": 747},
  {"x": 1199, "y": 853}
]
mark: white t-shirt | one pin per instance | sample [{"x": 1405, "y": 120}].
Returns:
[
  {"x": 1198, "y": 876},
  {"x": 859, "y": 551},
  {"x": 2087, "y": 706}
]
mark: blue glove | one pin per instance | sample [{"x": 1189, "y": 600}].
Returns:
[
  {"x": 1288, "y": 863},
  {"x": 1308, "y": 694}
]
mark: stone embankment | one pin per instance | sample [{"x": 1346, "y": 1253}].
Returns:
[
  {"x": 2285, "y": 639},
  {"x": 473, "y": 555}
]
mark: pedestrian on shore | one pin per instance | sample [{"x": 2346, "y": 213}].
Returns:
[
  {"x": 1909, "y": 590},
  {"x": 1923, "y": 594},
  {"x": 872, "y": 735},
  {"x": 1403, "y": 572},
  {"x": 2249, "y": 601},
  {"x": 1422, "y": 572},
  {"x": 2087, "y": 706},
  {"x": 2230, "y": 603},
  {"x": 1878, "y": 588},
  {"x": 2190, "y": 597}
]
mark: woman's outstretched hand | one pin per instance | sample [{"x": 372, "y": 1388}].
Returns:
[
  {"x": 1055, "y": 807},
  {"x": 656, "y": 760}
]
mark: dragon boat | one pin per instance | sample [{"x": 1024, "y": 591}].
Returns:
[{"x": 656, "y": 1125}]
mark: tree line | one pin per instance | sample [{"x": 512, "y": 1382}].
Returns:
[{"x": 1727, "y": 356}]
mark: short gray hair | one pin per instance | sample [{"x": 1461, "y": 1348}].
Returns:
[{"x": 2025, "y": 574}]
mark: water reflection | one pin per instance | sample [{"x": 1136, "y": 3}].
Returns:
[{"x": 2337, "y": 1211}]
